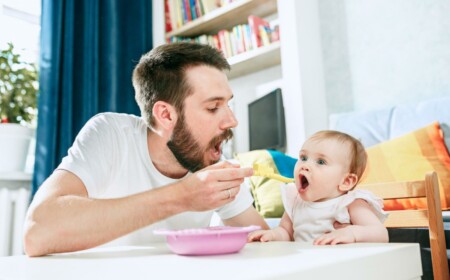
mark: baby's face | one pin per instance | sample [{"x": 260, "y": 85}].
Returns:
[{"x": 322, "y": 166}]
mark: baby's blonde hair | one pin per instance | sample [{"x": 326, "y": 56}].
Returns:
[{"x": 358, "y": 153}]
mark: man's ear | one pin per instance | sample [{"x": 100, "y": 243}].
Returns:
[
  {"x": 165, "y": 114},
  {"x": 348, "y": 183}
]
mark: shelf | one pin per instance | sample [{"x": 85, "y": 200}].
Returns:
[
  {"x": 15, "y": 176},
  {"x": 226, "y": 17},
  {"x": 255, "y": 60}
]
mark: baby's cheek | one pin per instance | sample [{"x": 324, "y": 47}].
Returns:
[{"x": 296, "y": 170}]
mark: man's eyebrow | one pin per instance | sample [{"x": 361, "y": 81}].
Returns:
[{"x": 217, "y": 98}]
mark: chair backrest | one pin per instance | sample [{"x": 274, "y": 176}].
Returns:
[{"x": 431, "y": 217}]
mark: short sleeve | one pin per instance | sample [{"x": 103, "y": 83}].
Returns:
[
  {"x": 342, "y": 215},
  {"x": 288, "y": 195},
  {"x": 91, "y": 154}
]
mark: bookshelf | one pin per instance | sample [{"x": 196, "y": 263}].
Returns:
[
  {"x": 226, "y": 17},
  {"x": 254, "y": 60},
  {"x": 295, "y": 61}
]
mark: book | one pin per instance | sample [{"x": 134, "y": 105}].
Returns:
[
  {"x": 209, "y": 5},
  {"x": 275, "y": 30},
  {"x": 167, "y": 17},
  {"x": 255, "y": 22},
  {"x": 264, "y": 33}
]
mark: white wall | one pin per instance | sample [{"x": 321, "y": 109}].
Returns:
[
  {"x": 246, "y": 89},
  {"x": 347, "y": 55},
  {"x": 20, "y": 25},
  {"x": 382, "y": 53}
]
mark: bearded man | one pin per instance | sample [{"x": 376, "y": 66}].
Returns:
[{"x": 125, "y": 176}]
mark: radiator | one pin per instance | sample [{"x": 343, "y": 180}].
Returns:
[{"x": 13, "y": 207}]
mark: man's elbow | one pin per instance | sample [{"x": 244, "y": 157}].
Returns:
[{"x": 32, "y": 245}]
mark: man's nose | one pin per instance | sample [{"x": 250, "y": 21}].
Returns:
[{"x": 230, "y": 120}]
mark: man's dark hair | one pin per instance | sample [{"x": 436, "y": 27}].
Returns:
[{"x": 160, "y": 74}]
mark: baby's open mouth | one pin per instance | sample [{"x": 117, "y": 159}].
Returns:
[{"x": 303, "y": 182}]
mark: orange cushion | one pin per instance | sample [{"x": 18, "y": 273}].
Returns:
[{"x": 410, "y": 157}]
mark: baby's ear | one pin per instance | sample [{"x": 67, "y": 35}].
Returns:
[{"x": 348, "y": 183}]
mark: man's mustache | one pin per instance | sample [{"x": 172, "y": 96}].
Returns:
[{"x": 225, "y": 136}]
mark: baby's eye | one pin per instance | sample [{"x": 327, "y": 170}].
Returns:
[
  {"x": 321, "y": 162},
  {"x": 303, "y": 158}
]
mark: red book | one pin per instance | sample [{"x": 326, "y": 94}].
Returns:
[
  {"x": 167, "y": 16},
  {"x": 255, "y": 22}
]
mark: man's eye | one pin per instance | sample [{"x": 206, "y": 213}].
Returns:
[
  {"x": 212, "y": 110},
  {"x": 303, "y": 158},
  {"x": 321, "y": 162}
]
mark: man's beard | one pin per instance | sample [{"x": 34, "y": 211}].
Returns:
[{"x": 188, "y": 151}]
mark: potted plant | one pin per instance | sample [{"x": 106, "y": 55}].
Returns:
[{"x": 18, "y": 102}]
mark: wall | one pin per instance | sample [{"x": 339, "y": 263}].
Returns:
[
  {"x": 246, "y": 89},
  {"x": 347, "y": 55},
  {"x": 381, "y": 53}
]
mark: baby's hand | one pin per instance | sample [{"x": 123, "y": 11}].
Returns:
[
  {"x": 261, "y": 235},
  {"x": 340, "y": 236}
]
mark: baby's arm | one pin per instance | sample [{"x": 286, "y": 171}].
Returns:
[
  {"x": 283, "y": 232},
  {"x": 365, "y": 227}
]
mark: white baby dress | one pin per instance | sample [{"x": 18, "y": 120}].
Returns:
[{"x": 312, "y": 219}]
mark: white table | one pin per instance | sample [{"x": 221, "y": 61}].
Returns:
[{"x": 274, "y": 260}]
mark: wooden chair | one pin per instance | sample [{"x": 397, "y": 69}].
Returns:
[{"x": 430, "y": 218}]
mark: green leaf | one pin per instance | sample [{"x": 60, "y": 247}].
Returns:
[{"x": 18, "y": 87}]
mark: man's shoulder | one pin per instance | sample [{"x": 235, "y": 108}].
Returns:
[{"x": 116, "y": 119}]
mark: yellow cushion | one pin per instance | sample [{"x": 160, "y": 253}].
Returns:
[
  {"x": 410, "y": 157},
  {"x": 266, "y": 192}
]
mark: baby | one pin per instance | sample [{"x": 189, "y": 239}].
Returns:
[{"x": 329, "y": 167}]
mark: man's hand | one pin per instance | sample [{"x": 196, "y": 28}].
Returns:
[{"x": 213, "y": 186}]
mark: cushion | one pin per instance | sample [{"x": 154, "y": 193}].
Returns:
[
  {"x": 446, "y": 130},
  {"x": 370, "y": 127},
  {"x": 266, "y": 192},
  {"x": 411, "y": 116},
  {"x": 410, "y": 157}
]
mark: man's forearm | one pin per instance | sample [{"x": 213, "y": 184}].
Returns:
[{"x": 71, "y": 223}]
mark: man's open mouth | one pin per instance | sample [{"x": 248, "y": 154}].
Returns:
[
  {"x": 218, "y": 147},
  {"x": 216, "y": 150}
]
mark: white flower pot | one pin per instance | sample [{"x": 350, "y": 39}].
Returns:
[{"x": 14, "y": 145}]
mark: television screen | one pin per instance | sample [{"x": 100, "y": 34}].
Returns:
[{"x": 266, "y": 122}]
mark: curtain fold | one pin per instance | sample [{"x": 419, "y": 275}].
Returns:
[{"x": 88, "y": 51}]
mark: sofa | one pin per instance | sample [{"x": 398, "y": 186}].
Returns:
[
  {"x": 390, "y": 130},
  {"x": 382, "y": 126}
]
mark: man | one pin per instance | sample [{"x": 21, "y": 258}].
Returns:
[{"x": 125, "y": 176}]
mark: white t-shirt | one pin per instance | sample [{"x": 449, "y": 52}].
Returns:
[
  {"x": 111, "y": 157},
  {"x": 311, "y": 220}
]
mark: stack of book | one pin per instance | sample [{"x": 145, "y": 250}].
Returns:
[
  {"x": 180, "y": 12},
  {"x": 241, "y": 38}
]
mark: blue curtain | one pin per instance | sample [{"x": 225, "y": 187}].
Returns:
[{"x": 88, "y": 51}]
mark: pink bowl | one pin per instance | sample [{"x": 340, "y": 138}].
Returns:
[{"x": 207, "y": 241}]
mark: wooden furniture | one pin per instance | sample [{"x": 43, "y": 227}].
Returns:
[
  {"x": 430, "y": 218},
  {"x": 271, "y": 260}
]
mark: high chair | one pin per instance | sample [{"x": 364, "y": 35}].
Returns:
[{"x": 430, "y": 218}]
